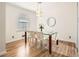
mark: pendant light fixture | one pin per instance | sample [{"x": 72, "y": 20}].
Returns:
[{"x": 38, "y": 11}]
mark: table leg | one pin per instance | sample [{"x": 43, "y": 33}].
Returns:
[
  {"x": 25, "y": 38},
  {"x": 50, "y": 44}
]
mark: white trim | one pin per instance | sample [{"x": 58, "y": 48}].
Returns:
[
  {"x": 12, "y": 40},
  {"x": 2, "y": 53}
]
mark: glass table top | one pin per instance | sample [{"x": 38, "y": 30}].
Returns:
[{"x": 50, "y": 33}]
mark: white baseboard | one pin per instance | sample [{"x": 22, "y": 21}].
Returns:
[
  {"x": 12, "y": 40},
  {"x": 2, "y": 53}
]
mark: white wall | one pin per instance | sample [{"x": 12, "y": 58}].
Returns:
[
  {"x": 12, "y": 14},
  {"x": 2, "y": 28},
  {"x": 66, "y": 19},
  {"x": 65, "y": 14},
  {"x": 78, "y": 28}
]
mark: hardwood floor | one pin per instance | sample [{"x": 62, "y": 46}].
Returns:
[{"x": 17, "y": 49}]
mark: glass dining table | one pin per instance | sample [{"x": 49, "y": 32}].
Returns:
[{"x": 49, "y": 40}]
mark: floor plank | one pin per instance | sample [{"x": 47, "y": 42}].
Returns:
[{"x": 17, "y": 49}]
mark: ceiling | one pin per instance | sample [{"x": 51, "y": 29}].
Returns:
[{"x": 27, "y": 5}]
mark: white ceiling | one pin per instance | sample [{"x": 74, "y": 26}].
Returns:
[{"x": 27, "y": 5}]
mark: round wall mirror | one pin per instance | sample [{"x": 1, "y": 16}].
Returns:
[{"x": 51, "y": 21}]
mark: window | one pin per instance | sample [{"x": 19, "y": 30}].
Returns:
[{"x": 22, "y": 23}]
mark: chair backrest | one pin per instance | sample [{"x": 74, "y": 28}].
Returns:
[{"x": 33, "y": 35}]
